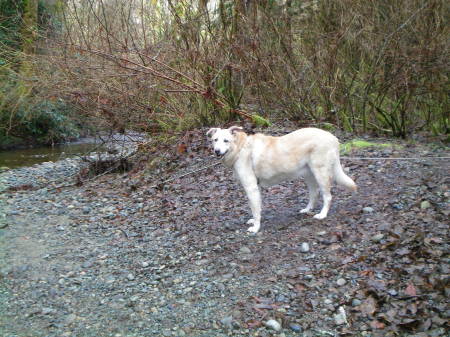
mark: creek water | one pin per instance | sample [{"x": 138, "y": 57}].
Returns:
[{"x": 28, "y": 157}]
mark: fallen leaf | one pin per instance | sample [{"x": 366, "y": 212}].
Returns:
[
  {"x": 369, "y": 306},
  {"x": 253, "y": 323},
  {"x": 299, "y": 287},
  {"x": 411, "y": 290},
  {"x": 181, "y": 148},
  {"x": 429, "y": 241},
  {"x": 377, "y": 325},
  {"x": 412, "y": 308}
]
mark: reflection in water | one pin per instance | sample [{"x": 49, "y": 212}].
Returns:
[{"x": 28, "y": 157}]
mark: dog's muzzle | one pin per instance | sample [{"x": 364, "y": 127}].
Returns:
[{"x": 219, "y": 154}]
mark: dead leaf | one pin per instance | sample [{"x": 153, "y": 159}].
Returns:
[
  {"x": 181, "y": 148},
  {"x": 377, "y": 325},
  {"x": 253, "y": 323},
  {"x": 369, "y": 306},
  {"x": 429, "y": 241},
  {"x": 368, "y": 273},
  {"x": 411, "y": 290},
  {"x": 300, "y": 287}
]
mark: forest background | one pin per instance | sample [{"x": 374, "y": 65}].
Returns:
[{"x": 68, "y": 68}]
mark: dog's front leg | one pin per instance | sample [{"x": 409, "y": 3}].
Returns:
[{"x": 254, "y": 197}]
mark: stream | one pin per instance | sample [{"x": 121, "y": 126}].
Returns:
[
  {"x": 11, "y": 159},
  {"x": 27, "y": 157}
]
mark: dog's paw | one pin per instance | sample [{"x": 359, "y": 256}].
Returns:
[
  {"x": 253, "y": 229},
  {"x": 320, "y": 216}
]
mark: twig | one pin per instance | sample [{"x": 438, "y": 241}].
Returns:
[{"x": 184, "y": 175}]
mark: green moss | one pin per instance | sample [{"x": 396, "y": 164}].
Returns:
[
  {"x": 347, "y": 147},
  {"x": 260, "y": 121}
]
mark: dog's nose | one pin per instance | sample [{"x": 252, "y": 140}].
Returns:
[{"x": 217, "y": 153}]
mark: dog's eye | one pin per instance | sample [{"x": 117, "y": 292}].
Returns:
[
  {"x": 216, "y": 139},
  {"x": 225, "y": 140}
]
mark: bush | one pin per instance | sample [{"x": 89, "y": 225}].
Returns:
[{"x": 26, "y": 117}]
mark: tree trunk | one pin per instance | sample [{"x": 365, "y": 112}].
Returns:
[{"x": 28, "y": 39}]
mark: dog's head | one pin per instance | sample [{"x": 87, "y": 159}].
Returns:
[{"x": 223, "y": 139}]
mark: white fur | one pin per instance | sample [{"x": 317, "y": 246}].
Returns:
[{"x": 265, "y": 160}]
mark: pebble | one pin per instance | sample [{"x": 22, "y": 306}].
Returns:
[
  {"x": 86, "y": 210},
  {"x": 394, "y": 292},
  {"x": 130, "y": 277},
  {"x": 46, "y": 311},
  {"x": 377, "y": 237},
  {"x": 70, "y": 318},
  {"x": 273, "y": 324},
  {"x": 322, "y": 233},
  {"x": 340, "y": 318},
  {"x": 368, "y": 210},
  {"x": 425, "y": 204},
  {"x": 304, "y": 247},
  {"x": 227, "y": 322},
  {"x": 245, "y": 250},
  {"x": 341, "y": 282},
  {"x": 356, "y": 302},
  {"x": 295, "y": 327}
]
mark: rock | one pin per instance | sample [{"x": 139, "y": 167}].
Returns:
[
  {"x": 87, "y": 264},
  {"x": 245, "y": 250},
  {"x": 70, "y": 318},
  {"x": 322, "y": 233},
  {"x": 145, "y": 264},
  {"x": 47, "y": 311},
  {"x": 377, "y": 237},
  {"x": 304, "y": 247},
  {"x": 368, "y": 210},
  {"x": 227, "y": 322},
  {"x": 295, "y": 327},
  {"x": 130, "y": 276},
  {"x": 340, "y": 318},
  {"x": 425, "y": 204},
  {"x": 328, "y": 301},
  {"x": 86, "y": 210},
  {"x": 393, "y": 292},
  {"x": 356, "y": 302},
  {"x": 273, "y": 324},
  {"x": 340, "y": 282}
]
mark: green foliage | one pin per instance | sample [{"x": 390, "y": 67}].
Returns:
[
  {"x": 46, "y": 122},
  {"x": 25, "y": 114},
  {"x": 260, "y": 121},
  {"x": 347, "y": 147},
  {"x": 27, "y": 117},
  {"x": 10, "y": 23}
]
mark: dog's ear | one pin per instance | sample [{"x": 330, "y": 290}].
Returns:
[
  {"x": 235, "y": 129},
  {"x": 211, "y": 132}
]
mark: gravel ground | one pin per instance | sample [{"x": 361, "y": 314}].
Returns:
[{"x": 118, "y": 257}]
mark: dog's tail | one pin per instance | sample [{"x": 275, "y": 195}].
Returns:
[{"x": 341, "y": 178}]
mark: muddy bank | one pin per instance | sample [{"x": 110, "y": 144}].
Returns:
[{"x": 115, "y": 257}]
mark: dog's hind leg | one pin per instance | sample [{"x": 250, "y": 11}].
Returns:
[
  {"x": 323, "y": 179},
  {"x": 313, "y": 191}
]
